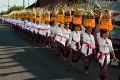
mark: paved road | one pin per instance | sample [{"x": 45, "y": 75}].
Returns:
[{"x": 23, "y": 59}]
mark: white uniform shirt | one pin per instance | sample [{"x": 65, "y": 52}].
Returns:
[
  {"x": 21, "y": 23},
  {"x": 17, "y": 22},
  {"x": 41, "y": 30},
  {"x": 28, "y": 25},
  {"x": 105, "y": 46},
  {"x": 37, "y": 27},
  {"x": 66, "y": 36},
  {"x": 13, "y": 21},
  {"x": 52, "y": 31},
  {"x": 58, "y": 34},
  {"x": 88, "y": 40},
  {"x": 75, "y": 37},
  {"x": 32, "y": 28},
  {"x": 24, "y": 24},
  {"x": 46, "y": 30}
]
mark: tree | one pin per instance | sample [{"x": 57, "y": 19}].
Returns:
[
  {"x": 3, "y": 12},
  {"x": 14, "y": 8}
]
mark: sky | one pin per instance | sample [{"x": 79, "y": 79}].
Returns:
[{"x": 13, "y": 2}]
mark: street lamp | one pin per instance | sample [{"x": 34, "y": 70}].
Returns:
[
  {"x": 8, "y": 4},
  {"x": 35, "y": 3},
  {"x": 28, "y": 2},
  {"x": 4, "y": 9},
  {"x": 1, "y": 9},
  {"x": 24, "y": 3}
]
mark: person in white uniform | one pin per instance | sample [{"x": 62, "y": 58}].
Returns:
[
  {"x": 27, "y": 27},
  {"x": 46, "y": 33},
  {"x": 87, "y": 49},
  {"x": 52, "y": 33},
  {"x": 65, "y": 40},
  {"x": 105, "y": 49},
  {"x": 58, "y": 37},
  {"x": 75, "y": 38},
  {"x": 41, "y": 32},
  {"x": 37, "y": 29},
  {"x": 32, "y": 30}
]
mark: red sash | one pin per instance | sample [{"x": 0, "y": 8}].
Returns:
[
  {"x": 77, "y": 47},
  {"x": 28, "y": 26},
  {"x": 67, "y": 40},
  {"x": 100, "y": 56},
  {"x": 89, "y": 45},
  {"x": 38, "y": 28}
]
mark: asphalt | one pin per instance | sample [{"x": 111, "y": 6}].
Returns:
[{"x": 24, "y": 59}]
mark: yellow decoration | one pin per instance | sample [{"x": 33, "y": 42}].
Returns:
[
  {"x": 20, "y": 15},
  {"x": 16, "y": 15},
  {"x": 77, "y": 19},
  {"x": 46, "y": 16},
  {"x": 42, "y": 17},
  {"x": 33, "y": 16},
  {"x": 89, "y": 21},
  {"x": 24, "y": 16},
  {"x": 38, "y": 17},
  {"x": 13, "y": 15},
  {"x": 28, "y": 15},
  {"x": 68, "y": 17},
  {"x": 60, "y": 17},
  {"x": 54, "y": 17},
  {"x": 105, "y": 20}
]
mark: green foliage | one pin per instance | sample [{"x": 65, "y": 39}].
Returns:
[
  {"x": 14, "y": 8},
  {"x": 2, "y": 13}
]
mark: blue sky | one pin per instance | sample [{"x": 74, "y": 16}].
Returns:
[{"x": 14, "y": 2}]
